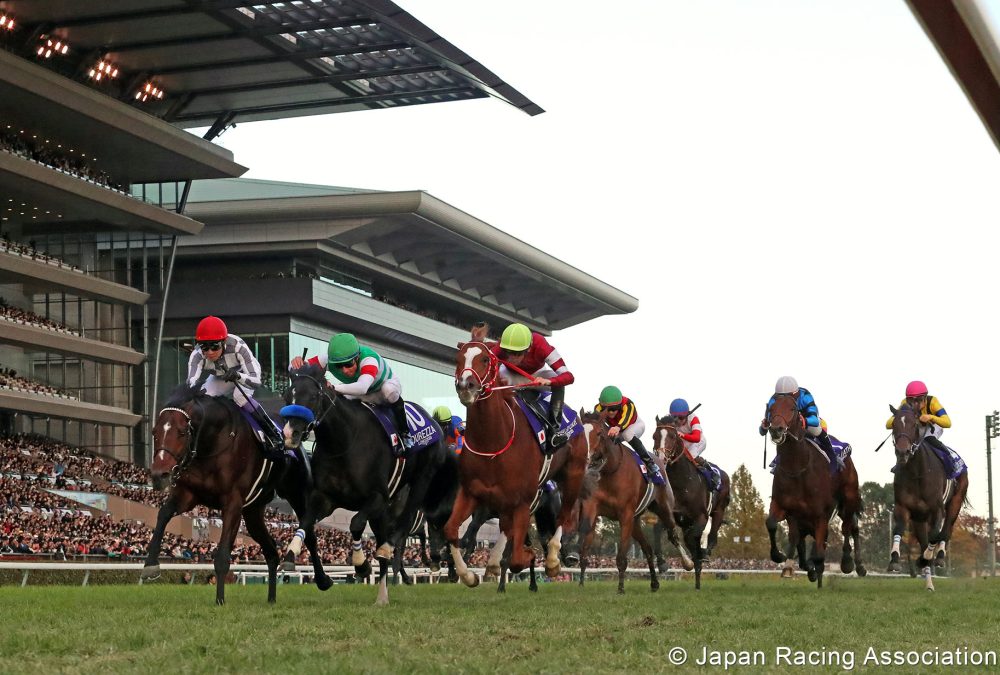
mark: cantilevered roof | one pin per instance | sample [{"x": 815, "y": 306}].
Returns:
[
  {"x": 417, "y": 240},
  {"x": 225, "y": 61},
  {"x": 967, "y": 35},
  {"x": 80, "y": 122}
]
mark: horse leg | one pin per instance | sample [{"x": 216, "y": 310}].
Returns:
[
  {"x": 505, "y": 548},
  {"x": 499, "y": 555},
  {"x": 520, "y": 519},
  {"x": 900, "y": 516},
  {"x": 151, "y": 569},
  {"x": 425, "y": 560},
  {"x": 297, "y": 501},
  {"x": 624, "y": 540},
  {"x": 848, "y": 523},
  {"x": 775, "y": 515},
  {"x": 257, "y": 529},
  {"x": 464, "y": 506},
  {"x": 856, "y": 534},
  {"x": 953, "y": 508},
  {"x": 819, "y": 549},
  {"x": 397, "y": 566},
  {"x": 588, "y": 538},
  {"x": 232, "y": 512},
  {"x": 533, "y": 583},
  {"x": 357, "y": 529},
  {"x": 479, "y": 516},
  {"x": 647, "y": 550},
  {"x": 661, "y": 562},
  {"x": 317, "y": 507},
  {"x": 667, "y": 522}
]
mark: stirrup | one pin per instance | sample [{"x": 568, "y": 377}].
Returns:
[{"x": 558, "y": 439}]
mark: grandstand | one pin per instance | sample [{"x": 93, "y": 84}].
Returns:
[{"x": 109, "y": 211}]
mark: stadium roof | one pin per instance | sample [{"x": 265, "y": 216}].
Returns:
[
  {"x": 411, "y": 237},
  {"x": 218, "y": 62},
  {"x": 967, "y": 35}
]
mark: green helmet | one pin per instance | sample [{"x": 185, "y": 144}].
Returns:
[
  {"x": 516, "y": 338},
  {"x": 611, "y": 395},
  {"x": 343, "y": 348},
  {"x": 442, "y": 413}
]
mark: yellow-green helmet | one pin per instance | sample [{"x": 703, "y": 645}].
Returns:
[
  {"x": 611, "y": 395},
  {"x": 516, "y": 338},
  {"x": 343, "y": 348},
  {"x": 442, "y": 414}
]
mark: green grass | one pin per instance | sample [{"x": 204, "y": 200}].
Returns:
[{"x": 178, "y": 629}]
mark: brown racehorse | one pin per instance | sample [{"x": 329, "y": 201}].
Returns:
[
  {"x": 694, "y": 502},
  {"x": 208, "y": 453},
  {"x": 621, "y": 495},
  {"x": 805, "y": 492},
  {"x": 502, "y": 466},
  {"x": 923, "y": 493}
]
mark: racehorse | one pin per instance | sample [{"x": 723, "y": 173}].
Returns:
[
  {"x": 502, "y": 467},
  {"x": 923, "y": 493},
  {"x": 694, "y": 502},
  {"x": 805, "y": 492},
  {"x": 208, "y": 453},
  {"x": 622, "y": 494},
  {"x": 354, "y": 468}
]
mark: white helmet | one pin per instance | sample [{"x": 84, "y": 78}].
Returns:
[{"x": 786, "y": 384}]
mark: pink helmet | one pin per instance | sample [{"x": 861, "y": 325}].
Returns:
[{"x": 916, "y": 388}]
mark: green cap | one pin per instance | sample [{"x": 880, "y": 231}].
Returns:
[
  {"x": 343, "y": 347},
  {"x": 611, "y": 395}
]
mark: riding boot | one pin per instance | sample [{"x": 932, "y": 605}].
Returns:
[
  {"x": 274, "y": 443},
  {"x": 706, "y": 471},
  {"x": 399, "y": 413},
  {"x": 652, "y": 470},
  {"x": 557, "y": 437},
  {"x": 836, "y": 464}
]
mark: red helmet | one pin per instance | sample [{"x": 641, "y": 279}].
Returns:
[
  {"x": 916, "y": 388},
  {"x": 211, "y": 328}
]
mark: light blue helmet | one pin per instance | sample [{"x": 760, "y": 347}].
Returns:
[{"x": 679, "y": 407}]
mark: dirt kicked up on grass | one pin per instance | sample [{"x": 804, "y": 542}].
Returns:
[{"x": 769, "y": 624}]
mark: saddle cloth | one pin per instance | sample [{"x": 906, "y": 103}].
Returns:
[
  {"x": 655, "y": 480},
  {"x": 954, "y": 465},
  {"x": 421, "y": 426},
  {"x": 569, "y": 422},
  {"x": 842, "y": 449}
]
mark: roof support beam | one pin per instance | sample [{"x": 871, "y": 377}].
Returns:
[
  {"x": 293, "y": 56},
  {"x": 156, "y": 13},
  {"x": 318, "y": 79}
]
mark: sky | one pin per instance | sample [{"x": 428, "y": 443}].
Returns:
[{"x": 788, "y": 189}]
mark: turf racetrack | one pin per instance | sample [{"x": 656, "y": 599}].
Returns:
[{"x": 159, "y": 628}]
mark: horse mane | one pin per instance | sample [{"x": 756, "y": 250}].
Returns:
[
  {"x": 311, "y": 369},
  {"x": 183, "y": 393}
]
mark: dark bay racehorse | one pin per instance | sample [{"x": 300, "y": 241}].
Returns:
[
  {"x": 502, "y": 467},
  {"x": 694, "y": 502},
  {"x": 622, "y": 494},
  {"x": 208, "y": 452},
  {"x": 923, "y": 494},
  {"x": 806, "y": 494},
  {"x": 354, "y": 468}
]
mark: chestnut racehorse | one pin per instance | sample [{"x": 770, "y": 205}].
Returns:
[
  {"x": 694, "y": 502},
  {"x": 502, "y": 466},
  {"x": 922, "y": 491},
  {"x": 807, "y": 494},
  {"x": 622, "y": 494}
]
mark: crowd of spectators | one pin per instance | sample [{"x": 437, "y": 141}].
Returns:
[
  {"x": 9, "y": 379},
  {"x": 23, "y": 144},
  {"x": 8, "y": 245},
  {"x": 17, "y": 315}
]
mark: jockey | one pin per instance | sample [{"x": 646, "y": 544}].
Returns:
[
  {"x": 690, "y": 433},
  {"x": 527, "y": 357},
  {"x": 934, "y": 417},
  {"x": 228, "y": 361},
  {"x": 362, "y": 374},
  {"x": 453, "y": 428},
  {"x": 625, "y": 424},
  {"x": 807, "y": 407}
]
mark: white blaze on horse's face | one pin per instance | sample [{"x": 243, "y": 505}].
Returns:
[
  {"x": 587, "y": 428},
  {"x": 464, "y": 384}
]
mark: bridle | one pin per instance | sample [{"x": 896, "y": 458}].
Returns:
[
  {"x": 331, "y": 401},
  {"x": 606, "y": 444},
  {"x": 778, "y": 433},
  {"x": 672, "y": 455},
  {"x": 486, "y": 381},
  {"x": 915, "y": 440},
  {"x": 190, "y": 450}
]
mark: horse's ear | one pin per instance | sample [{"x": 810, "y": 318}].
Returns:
[
  {"x": 658, "y": 420},
  {"x": 582, "y": 412},
  {"x": 461, "y": 345},
  {"x": 892, "y": 409},
  {"x": 480, "y": 331}
]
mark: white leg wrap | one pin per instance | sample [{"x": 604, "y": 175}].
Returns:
[
  {"x": 895, "y": 543},
  {"x": 555, "y": 545},
  {"x": 468, "y": 578},
  {"x": 941, "y": 548},
  {"x": 295, "y": 546},
  {"x": 929, "y": 552}
]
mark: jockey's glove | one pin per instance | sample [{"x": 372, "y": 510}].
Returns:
[{"x": 231, "y": 375}]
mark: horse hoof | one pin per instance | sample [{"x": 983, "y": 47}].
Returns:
[
  {"x": 847, "y": 566},
  {"x": 358, "y": 558},
  {"x": 662, "y": 567},
  {"x": 894, "y": 567},
  {"x": 621, "y": 591},
  {"x": 861, "y": 570},
  {"x": 324, "y": 583},
  {"x": 572, "y": 560},
  {"x": 407, "y": 581},
  {"x": 384, "y": 551},
  {"x": 552, "y": 572},
  {"x": 470, "y": 579},
  {"x": 654, "y": 587},
  {"x": 150, "y": 572},
  {"x": 287, "y": 565},
  {"x": 435, "y": 568},
  {"x": 492, "y": 571},
  {"x": 812, "y": 574},
  {"x": 220, "y": 601},
  {"x": 778, "y": 557}
]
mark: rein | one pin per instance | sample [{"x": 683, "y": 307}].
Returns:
[
  {"x": 320, "y": 386},
  {"x": 670, "y": 457},
  {"x": 487, "y": 381},
  {"x": 190, "y": 453},
  {"x": 510, "y": 441}
]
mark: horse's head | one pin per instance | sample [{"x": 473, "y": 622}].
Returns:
[
  {"x": 785, "y": 420},
  {"x": 599, "y": 444},
  {"x": 906, "y": 433},
  {"x": 308, "y": 389},
  {"x": 476, "y": 370},
  {"x": 173, "y": 442},
  {"x": 666, "y": 440}
]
